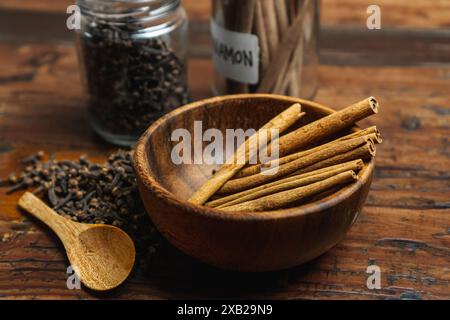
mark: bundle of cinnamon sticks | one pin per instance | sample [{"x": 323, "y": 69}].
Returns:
[
  {"x": 280, "y": 27},
  {"x": 310, "y": 163}
]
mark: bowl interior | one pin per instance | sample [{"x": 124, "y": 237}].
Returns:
[{"x": 234, "y": 112}]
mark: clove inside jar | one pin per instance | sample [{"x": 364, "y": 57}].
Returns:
[{"x": 132, "y": 57}]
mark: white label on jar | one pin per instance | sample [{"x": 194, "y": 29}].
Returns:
[{"x": 235, "y": 54}]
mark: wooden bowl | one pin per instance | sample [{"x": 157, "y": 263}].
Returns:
[{"x": 243, "y": 241}]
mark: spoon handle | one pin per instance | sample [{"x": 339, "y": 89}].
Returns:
[{"x": 63, "y": 227}]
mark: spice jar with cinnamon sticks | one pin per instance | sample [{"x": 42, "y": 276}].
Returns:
[{"x": 265, "y": 46}]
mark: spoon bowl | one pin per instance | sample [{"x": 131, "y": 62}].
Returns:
[{"x": 105, "y": 248}]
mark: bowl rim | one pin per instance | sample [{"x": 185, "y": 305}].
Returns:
[{"x": 144, "y": 175}]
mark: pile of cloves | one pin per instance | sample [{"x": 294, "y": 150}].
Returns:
[{"x": 91, "y": 193}]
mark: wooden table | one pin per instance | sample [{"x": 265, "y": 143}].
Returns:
[{"x": 404, "y": 227}]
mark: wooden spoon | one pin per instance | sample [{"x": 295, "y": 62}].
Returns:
[{"x": 101, "y": 255}]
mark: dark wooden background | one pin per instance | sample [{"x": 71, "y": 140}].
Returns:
[{"x": 404, "y": 227}]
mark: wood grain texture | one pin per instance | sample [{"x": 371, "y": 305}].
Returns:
[
  {"x": 404, "y": 227},
  {"x": 399, "y": 13}
]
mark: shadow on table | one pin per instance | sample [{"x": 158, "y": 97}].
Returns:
[{"x": 177, "y": 275}]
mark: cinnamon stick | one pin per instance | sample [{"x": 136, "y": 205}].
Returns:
[
  {"x": 245, "y": 152},
  {"x": 268, "y": 9},
  {"x": 239, "y": 17},
  {"x": 262, "y": 36},
  {"x": 282, "y": 16},
  {"x": 246, "y": 15},
  {"x": 293, "y": 77},
  {"x": 326, "y": 126},
  {"x": 289, "y": 183},
  {"x": 370, "y": 132},
  {"x": 293, "y": 196},
  {"x": 354, "y": 165},
  {"x": 364, "y": 152},
  {"x": 292, "y": 80},
  {"x": 280, "y": 59},
  {"x": 341, "y": 147},
  {"x": 371, "y": 136},
  {"x": 283, "y": 24}
]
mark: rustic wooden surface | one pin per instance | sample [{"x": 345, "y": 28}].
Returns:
[
  {"x": 404, "y": 227},
  {"x": 398, "y": 13}
]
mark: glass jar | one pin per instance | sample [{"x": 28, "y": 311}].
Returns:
[
  {"x": 132, "y": 56},
  {"x": 266, "y": 46}
]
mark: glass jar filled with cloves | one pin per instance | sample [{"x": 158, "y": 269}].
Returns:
[
  {"x": 132, "y": 56},
  {"x": 265, "y": 46}
]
